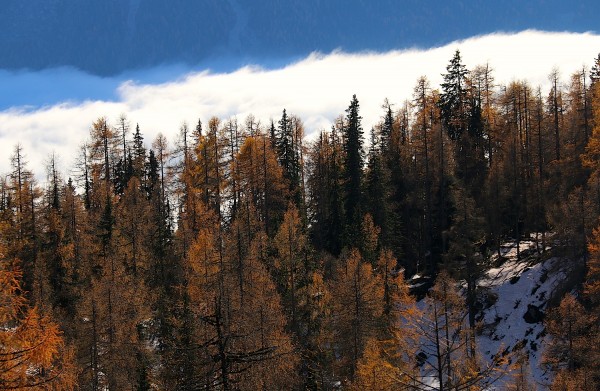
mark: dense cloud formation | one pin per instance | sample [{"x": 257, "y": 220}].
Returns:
[{"x": 316, "y": 88}]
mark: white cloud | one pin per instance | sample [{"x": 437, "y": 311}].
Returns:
[{"x": 318, "y": 89}]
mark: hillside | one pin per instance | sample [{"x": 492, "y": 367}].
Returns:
[
  {"x": 514, "y": 297},
  {"x": 520, "y": 293},
  {"x": 241, "y": 255}
]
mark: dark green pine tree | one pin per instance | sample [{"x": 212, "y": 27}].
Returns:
[
  {"x": 164, "y": 269},
  {"x": 595, "y": 72},
  {"x": 461, "y": 116},
  {"x": 453, "y": 99},
  {"x": 283, "y": 143},
  {"x": 143, "y": 377},
  {"x": 336, "y": 219},
  {"x": 139, "y": 153},
  {"x": 353, "y": 172},
  {"x": 387, "y": 128},
  {"x": 50, "y": 260},
  {"x": 122, "y": 174},
  {"x": 377, "y": 184},
  {"x": 198, "y": 133},
  {"x": 273, "y": 136},
  {"x": 151, "y": 175},
  {"x": 288, "y": 156},
  {"x": 392, "y": 147},
  {"x": 325, "y": 195}
]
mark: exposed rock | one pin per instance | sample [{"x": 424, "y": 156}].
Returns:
[{"x": 533, "y": 314}]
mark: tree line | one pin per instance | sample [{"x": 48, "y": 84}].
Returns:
[{"x": 245, "y": 257}]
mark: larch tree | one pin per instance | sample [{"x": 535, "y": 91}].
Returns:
[
  {"x": 268, "y": 357},
  {"x": 521, "y": 376},
  {"x": 387, "y": 360},
  {"x": 572, "y": 352},
  {"x": 423, "y": 151},
  {"x": 103, "y": 144},
  {"x": 33, "y": 353},
  {"x": 208, "y": 172},
  {"x": 240, "y": 343},
  {"x": 112, "y": 312},
  {"x": 188, "y": 364},
  {"x": 261, "y": 181},
  {"x": 447, "y": 355},
  {"x": 21, "y": 216},
  {"x": 592, "y": 283},
  {"x": 555, "y": 109},
  {"x": 573, "y": 381},
  {"x": 291, "y": 261},
  {"x": 569, "y": 325},
  {"x": 357, "y": 310},
  {"x": 369, "y": 245},
  {"x": 315, "y": 303},
  {"x": 374, "y": 371}
]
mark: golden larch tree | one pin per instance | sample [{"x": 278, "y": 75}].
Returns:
[{"x": 33, "y": 354}]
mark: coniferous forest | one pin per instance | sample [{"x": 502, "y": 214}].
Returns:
[{"x": 244, "y": 256}]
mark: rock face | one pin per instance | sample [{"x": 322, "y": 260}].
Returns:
[
  {"x": 107, "y": 37},
  {"x": 533, "y": 314}
]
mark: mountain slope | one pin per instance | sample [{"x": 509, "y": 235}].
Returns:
[
  {"x": 514, "y": 299},
  {"x": 519, "y": 295}
]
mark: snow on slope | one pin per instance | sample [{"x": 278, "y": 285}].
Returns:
[
  {"x": 514, "y": 297},
  {"x": 522, "y": 289}
]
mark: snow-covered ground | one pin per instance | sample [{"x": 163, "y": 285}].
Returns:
[
  {"x": 514, "y": 322},
  {"x": 514, "y": 296}
]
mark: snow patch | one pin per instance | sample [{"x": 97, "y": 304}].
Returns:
[{"x": 522, "y": 289}]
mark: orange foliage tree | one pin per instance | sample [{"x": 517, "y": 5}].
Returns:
[
  {"x": 357, "y": 309},
  {"x": 32, "y": 350}
]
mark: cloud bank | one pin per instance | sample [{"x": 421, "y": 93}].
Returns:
[{"x": 317, "y": 88}]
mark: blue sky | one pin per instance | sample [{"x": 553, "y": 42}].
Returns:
[
  {"x": 317, "y": 88},
  {"x": 163, "y": 65}
]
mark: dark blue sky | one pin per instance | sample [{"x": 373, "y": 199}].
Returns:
[{"x": 109, "y": 37}]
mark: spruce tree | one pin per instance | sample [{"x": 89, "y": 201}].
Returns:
[
  {"x": 453, "y": 100},
  {"x": 353, "y": 170}
]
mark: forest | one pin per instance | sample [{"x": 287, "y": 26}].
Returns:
[{"x": 245, "y": 256}]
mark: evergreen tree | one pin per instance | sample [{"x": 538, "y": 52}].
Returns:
[
  {"x": 353, "y": 161},
  {"x": 325, "y": 192},
  {"x": 377, "y": 184},
  {"x": 453, "y": 100},
  {"x": 289, "y": 134},
  {"x": 461, "y": 114}
]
